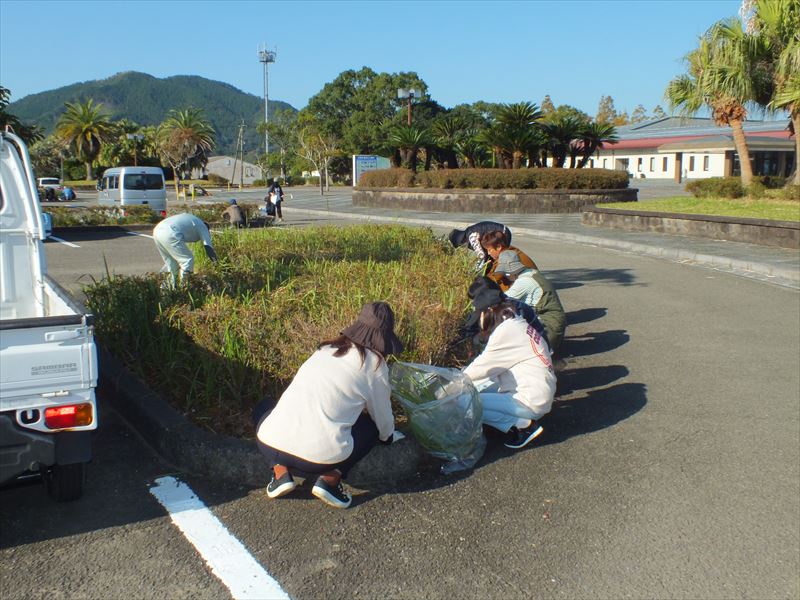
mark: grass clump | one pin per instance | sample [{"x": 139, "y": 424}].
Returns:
[
  {"x": 761, "y": 208},
  {"x": 242, "y": 327},
  {"x": 101, "y": 215}
]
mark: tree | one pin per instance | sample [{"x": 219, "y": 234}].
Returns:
[
  {"x": 594, "y": 136},
  {"x": 357, "y": 108},
  {"x": 727, "y": 76},
  {"x": 560, "y": 134},
  {"x": 28, "y": 133},
  {"x": 86, "y": 127},
  {"x": 409, "y": 140},
  {"x": 448, "y": 131},
  {"x": 547, "y": 106},
  {"x": 639, "y": 114},
  {"x": 777, "y": 23},
  {"x": 47, "y": 155},
  {"x": 185, "y": 140},
  {"x": 658, "y": 112},
  {"x": 514, "y": 131},
  {"x": 282, "y": 135},
  {"x": 606, "y": 113},
  {"x": 316, "y": 147}
]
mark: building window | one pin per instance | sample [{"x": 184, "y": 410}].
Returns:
[
  {"x": 705, "y": 163},
  {"x": 664, "y": 162},
  {"x": 639, "y": 163},
  {"x": 652, "y": 164},
  {"x": 604, "y": 163},
  {"x": 691, "y": 163}
]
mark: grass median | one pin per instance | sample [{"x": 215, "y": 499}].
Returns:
[
  {"x": 242, "y": 327},
  {"x": 763, "y": 208}
]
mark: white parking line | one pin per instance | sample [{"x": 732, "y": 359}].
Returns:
[
  {"x": 65, "y": 242},
  {"x": 228, "y": 559},
  {"x": 139, "y": 234}
]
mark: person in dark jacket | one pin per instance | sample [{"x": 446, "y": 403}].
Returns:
[
  {"x": 275, "y": 197},
  {"x": 471, "y": 238}
]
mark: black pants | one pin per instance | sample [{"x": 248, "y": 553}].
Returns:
[
  {"x": 278, "y": 211},
  {"x": 365, "y": 436}
]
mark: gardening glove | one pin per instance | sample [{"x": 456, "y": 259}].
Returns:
[{"x": 210, "y": 253}]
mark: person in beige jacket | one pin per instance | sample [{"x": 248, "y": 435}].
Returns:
[{"x": 335, "y": 409}]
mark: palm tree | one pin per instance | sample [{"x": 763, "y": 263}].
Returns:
[
  {"x": 726, "y": 76},
  {"x": 516, "y": 127},
  {"x": 448, "y": 131},
  {"x": 594, "y": 136},
  {"x": 561, "y": 132},
  {"x": 86, "y": 127},
  {"x": 409, "y": 140},
  {"x": 29, "y": 133},
  {"x": 777, "y": 22},
  {"x": 185, "y": 139}
]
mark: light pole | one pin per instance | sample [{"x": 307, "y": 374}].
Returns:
[
  {"x": 136, "y": 137},
  {"x": 266, "y": 57},
  {"x": 403, "y": 93}
]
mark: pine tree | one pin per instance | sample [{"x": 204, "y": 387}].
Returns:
[
  {"x": 658, "y": 112},
  {"x": 639, "y": 114},
  {"x": 606, "y": 113},
  {"x": 547, "y": 105}
]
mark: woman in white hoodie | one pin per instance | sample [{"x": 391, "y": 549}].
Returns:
[{"x": 514, "y": 375}]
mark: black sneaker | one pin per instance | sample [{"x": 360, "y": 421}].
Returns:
[
  {"x": 519, "y": 438},
  {"x": 334, "y": 495},
  {"x": 280, "y": 487}
]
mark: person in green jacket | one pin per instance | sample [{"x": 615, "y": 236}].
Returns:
[{"x": 531, "y": 287}]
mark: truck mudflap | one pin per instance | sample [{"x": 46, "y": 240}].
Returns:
[{"x": 24, "y": 450}]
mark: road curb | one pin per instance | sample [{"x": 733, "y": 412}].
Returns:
[
  {"x": 221, "y": 457},
  {"x": 102, "y": 228},
  {"x": 786, "y": 277}
]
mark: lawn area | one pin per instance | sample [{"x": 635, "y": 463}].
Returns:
[
  {"x": 243, "y": 326},
  {"x": 764, "y": 208}
]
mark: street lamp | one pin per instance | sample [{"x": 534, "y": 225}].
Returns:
[
  {"x": 136, "y": 137},
  {"x": 403, "y": 93}
]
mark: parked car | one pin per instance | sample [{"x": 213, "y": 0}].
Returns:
[
  {"x": 134, "y": 186},
  {"x": 49, "y": 188}
]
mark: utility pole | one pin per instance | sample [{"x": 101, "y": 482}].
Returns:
[
  {"x": 266, "y": 57},
  {"x": 239, "y": 157},
  {"x": 403, "y": 93}
]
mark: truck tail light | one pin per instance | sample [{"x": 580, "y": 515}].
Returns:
[{"x": 64, "y": 417}]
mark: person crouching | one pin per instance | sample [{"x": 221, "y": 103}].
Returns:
[
  {"x": 335, "y": 409},
  {"x": 514, "y": 375}
]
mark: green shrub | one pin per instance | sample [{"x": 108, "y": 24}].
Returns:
[
  {"x": 244, "y": 325},
  {"x": 791, "y": 192},
  {"x": 101, "y": 215},
  {"x": 756, "y": 190},
  {"x": 296, "y": 180},
  {"x": 716, "y": 187},
  {"x": 770, "y": 182},
  {"x": 215, "y": 179},
  {"x": 259, "y": 183},
  {"x": 497, "y": 179}
]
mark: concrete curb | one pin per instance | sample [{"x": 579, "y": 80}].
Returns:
[
  {"x": 222, "y": 457},
  {"x": 781, "y": 276},
  {"x": 102, "y": 228}
]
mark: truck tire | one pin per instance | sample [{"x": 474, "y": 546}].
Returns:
[{"x": 65, "y": 482}]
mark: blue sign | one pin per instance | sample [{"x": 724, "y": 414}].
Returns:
[{"x": 367, "y": 162}]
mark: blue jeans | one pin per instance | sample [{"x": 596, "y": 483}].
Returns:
[{"x": 500, "y": 409}]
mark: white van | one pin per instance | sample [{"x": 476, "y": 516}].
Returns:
[{"x": 134, "y": 186}]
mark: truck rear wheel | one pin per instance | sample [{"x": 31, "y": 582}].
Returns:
[{"x": 65, "y": 482}]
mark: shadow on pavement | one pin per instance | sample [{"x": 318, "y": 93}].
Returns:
[
  {"x": 564, "y": 279},
  {"x": 585, "y": 315},
  {"x": 572, "y": 380},
  {"x": 593, "y": 343}
]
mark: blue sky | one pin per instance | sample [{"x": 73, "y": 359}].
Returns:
[{"x": 575, "y": 51}]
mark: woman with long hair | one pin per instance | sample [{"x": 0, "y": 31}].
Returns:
[
  {"x": 514, "y": 375},
  {"x": 335, "y": 409}
]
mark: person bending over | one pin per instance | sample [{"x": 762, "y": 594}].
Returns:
[
  {"x": 514, "y": 375},
  {"x": 234, "y": 215},
  {"x": 534, "y": 289},
  {"x": 494, "y": 244},
  {"x": 335, "y": 409},
  {"x": 172, "y": 236},
  {"x": 471, "y": 238}
]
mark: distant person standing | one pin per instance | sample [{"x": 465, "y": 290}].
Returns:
[
  {"x": 234, "y": 215},
  {"x": 275, "y": 197},
  {"x": 172, "y": 236}
]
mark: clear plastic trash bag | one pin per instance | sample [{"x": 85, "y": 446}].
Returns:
[{"x": 444, "y": 412}]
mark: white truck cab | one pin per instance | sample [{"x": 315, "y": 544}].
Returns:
[
  {"x": 134, "y": 186},
  {"x": 48, "y": 359}
]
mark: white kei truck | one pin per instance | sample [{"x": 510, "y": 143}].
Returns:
[{"x": 48, "y": 359}]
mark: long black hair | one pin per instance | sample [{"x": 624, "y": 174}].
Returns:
[
  {"x": 494, "y": 315},
  {"x": 342, "y": 343}
]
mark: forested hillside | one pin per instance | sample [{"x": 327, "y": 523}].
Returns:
[{"x": 147, "y": 100}]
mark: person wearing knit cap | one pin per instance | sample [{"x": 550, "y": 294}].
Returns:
[
  {"x": 534, "y": 289},
  {"x": 233, "y": 214},
  {"x": 335, "y": 409}
]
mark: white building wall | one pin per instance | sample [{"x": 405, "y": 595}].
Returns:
[{"x": 649, "y": 164}]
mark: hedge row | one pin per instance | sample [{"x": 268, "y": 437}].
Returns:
[
  {"x": 497, "y": 179},
  {"x": 731, "y": 187}
]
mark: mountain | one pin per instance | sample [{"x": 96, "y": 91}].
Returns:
[{"x": 147, "y": 100}]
